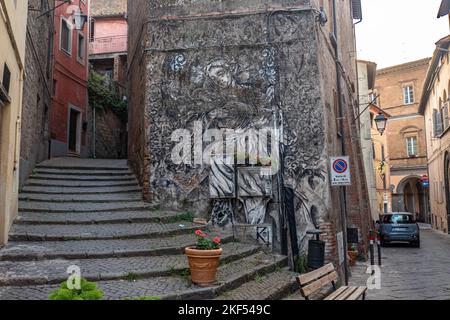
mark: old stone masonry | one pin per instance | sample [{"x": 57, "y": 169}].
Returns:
[{"x": 89, "y": 214}]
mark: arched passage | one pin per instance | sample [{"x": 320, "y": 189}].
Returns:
[{"x": 411, "y": 197}]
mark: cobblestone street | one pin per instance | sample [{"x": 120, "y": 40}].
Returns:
[{"x": 412, "y": 274}]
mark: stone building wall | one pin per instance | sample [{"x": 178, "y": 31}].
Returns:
[
  {"x": 110, "y": 135},
  {"x": 241, "y": 65},
  {"x": 37, "y": 89}
]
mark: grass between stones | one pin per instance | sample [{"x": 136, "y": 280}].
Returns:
[
  {"x": 132, "y": 277},
  {"x": 185, "y": 217}
]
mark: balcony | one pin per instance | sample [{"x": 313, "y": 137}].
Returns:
[{"x": 105, "y": 45}]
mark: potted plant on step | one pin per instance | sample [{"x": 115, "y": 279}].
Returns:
[
  {"x": 353, "y": 254},
  {"x": 204, "y": 259}
]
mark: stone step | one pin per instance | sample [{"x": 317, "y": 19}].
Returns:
[
  {"x": 93, "y": 177},
  {"x": 230, "y": 276},
  {"x": 68, "y": 172},
  {"x": 86, "y": 166},
  {"x": 81, "y": 184},
  {"x": 54, "y": 207},
  {"x": 272, "y": 286},
  {"x": 14, "y": 273},
  {"x": 49, "y": 232},
  {"x": 84, "y": 249},
  {"x": 80, "y": 190},
  {"x": 113, "y": 217},
  {"x": 91, "y": 198}
]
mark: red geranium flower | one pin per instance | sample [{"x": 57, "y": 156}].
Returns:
[
  {"x": 217, "y": 240},
  {"x": 198, "y": 232}
]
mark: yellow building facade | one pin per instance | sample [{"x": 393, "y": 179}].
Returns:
[
  {"x": 400, "y": 89},
  {"x": 13, "y": 22},
  {"x": 435, "y": 107}
]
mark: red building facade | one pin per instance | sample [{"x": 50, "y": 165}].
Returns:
[{"x": 70, "y": 114}]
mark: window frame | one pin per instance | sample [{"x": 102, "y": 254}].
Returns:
[
  {"x": 408, "y": 96},
  {"x": 69, "y": 52},
  {"x": 414, "y": 146},
  {"x": 81, "y": 60}
]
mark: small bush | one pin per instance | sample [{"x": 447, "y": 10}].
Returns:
[
  {"x": 88, "y": 291},
  {"x": 301, "y": 264}
]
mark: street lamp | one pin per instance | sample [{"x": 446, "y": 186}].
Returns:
[
  {"x": 80, "y": 20},
  {"x": 381, "y": 122}
]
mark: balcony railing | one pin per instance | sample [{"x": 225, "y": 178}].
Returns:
[{"x": 112, "y": 44}]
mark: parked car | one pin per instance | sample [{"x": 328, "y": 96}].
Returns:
[{"x": 399, "y": 227}]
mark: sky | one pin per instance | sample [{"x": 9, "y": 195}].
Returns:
[{"x": 398, "y": 31}]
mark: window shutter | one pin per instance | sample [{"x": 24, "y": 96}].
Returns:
[
  {"x": 357, "y": 9},
  {"x": 445, "y": 111},
  {"x": 439, "y": 128}
]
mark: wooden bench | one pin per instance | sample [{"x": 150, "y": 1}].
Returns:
[{"x": 314, "y": 281}]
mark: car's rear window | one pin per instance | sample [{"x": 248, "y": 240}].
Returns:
[{"x": 398, "y": 218}]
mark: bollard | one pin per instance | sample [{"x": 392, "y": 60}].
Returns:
[
  {"x": 379, "y": 252},
  {"x": 372, "y": 254}
]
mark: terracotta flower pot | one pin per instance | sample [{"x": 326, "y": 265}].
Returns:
[
  {"x": 353, "y": 257},
  {"x": 203, "y": 265}
]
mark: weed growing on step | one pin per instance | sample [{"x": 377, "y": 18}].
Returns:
[
  {"x": 185, "y": 217},
  {"x": 88, "y": 291},
  {"x": 183, "y": 273},
  {"x": 259, "y": 279},
  {"x": 301, "y": 264},
  {"x": 132, "y": 277}
]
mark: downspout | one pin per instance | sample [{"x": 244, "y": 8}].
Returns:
[
  {"x": 343, "y": 190},
  {"x": 87, "y": 72}
]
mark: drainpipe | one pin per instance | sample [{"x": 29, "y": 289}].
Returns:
[
  {"x": 94, "y": 133},
  {"x": 343, "y": 190}
]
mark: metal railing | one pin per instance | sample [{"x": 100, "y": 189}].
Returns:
[{"x": 111, "y": 44}]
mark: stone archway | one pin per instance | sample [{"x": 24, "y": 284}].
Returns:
[{"x": 411, "y": 197}]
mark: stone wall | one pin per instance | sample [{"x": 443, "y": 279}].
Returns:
[
  {"x": 37, "y": 89},
  {"x": 110, "y": 135},
  {"x": 241, "y": 65}
]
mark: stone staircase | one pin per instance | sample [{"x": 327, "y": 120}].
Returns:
[{"x": 89, "y": 213}]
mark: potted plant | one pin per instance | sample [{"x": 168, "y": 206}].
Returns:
[
  {"x": 204, "y": 259},
  {"x": 353, "y": 254}
]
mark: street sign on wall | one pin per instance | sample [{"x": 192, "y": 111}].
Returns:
[{"x": 340, "y": 171}]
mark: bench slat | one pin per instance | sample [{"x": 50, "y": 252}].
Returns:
[
  {"x": 358, "y": 293},
  {"x": 336, "y": 293},
  {"x": 314, "y": 275},
  {"x": 347, "y": 293},
  {"x": 319, "y": 284}
]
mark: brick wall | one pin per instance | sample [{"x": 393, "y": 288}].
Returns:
[{"x": 110, "y": 135}]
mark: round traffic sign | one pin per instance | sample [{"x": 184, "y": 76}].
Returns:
[{"x": 340, "y": 166}]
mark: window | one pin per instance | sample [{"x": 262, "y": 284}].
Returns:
[
  {"x": 408, "y": 94},
  {"x": 438, "y": 126},
  {"x": 81, "y": 47},
  {"x": 65, "y": 40},
  {"x": 411, "y": 144},
  {"x": 92, "y": 31},
  {"x": 4, "y": 86},
  {"x": 6, "y": 80},
  {"x": 373, "y": 98}
]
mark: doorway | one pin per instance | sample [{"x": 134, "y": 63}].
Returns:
[{"x": 74, "y": 135}]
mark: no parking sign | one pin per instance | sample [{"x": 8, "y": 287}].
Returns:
[{"x": 340, "y": 171}]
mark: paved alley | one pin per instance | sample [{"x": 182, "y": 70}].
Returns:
[{"x": 412, "y": 274}]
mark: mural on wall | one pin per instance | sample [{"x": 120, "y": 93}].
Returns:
[{"x": 201, "y": 84}]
